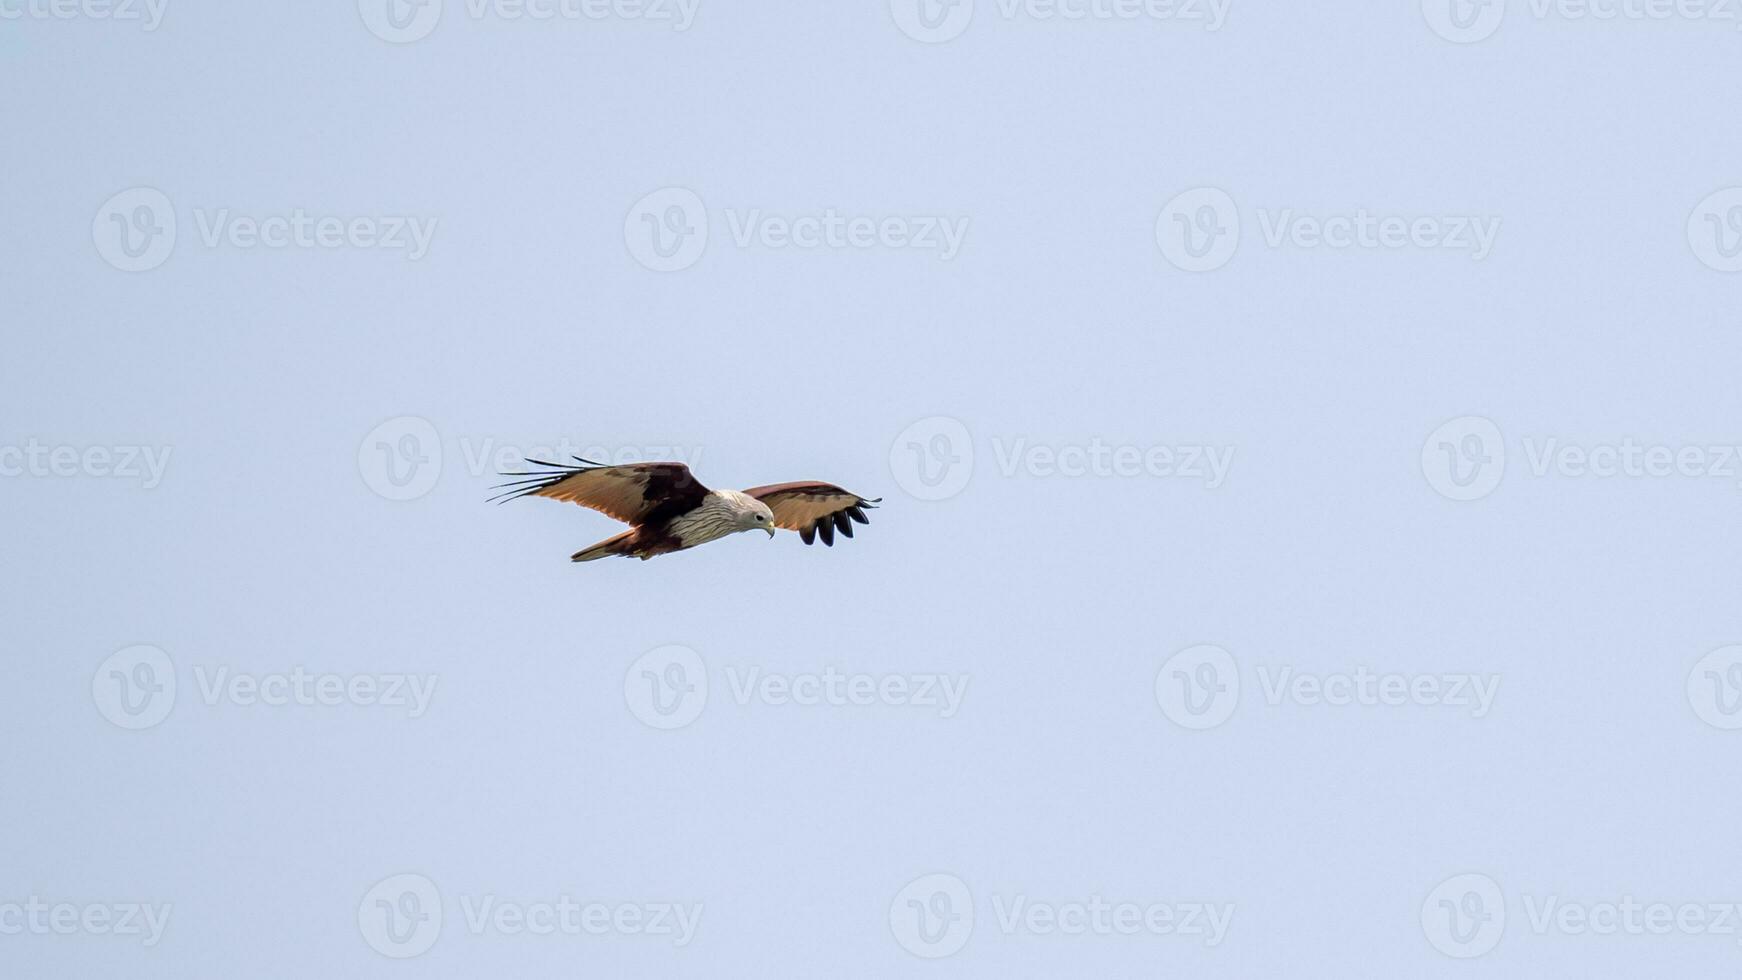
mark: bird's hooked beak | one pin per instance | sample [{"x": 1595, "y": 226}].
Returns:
[{"x": 770, "y": 531}]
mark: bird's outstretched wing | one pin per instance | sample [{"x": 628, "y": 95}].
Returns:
[
  {"x": 814, "y": 509},
  {"x": 634, "y": 494}
]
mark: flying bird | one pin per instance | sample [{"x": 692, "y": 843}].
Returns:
[{"x": 667, "y": 509}]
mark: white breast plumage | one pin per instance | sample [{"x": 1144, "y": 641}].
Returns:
[{"x": 713, "y": 519}]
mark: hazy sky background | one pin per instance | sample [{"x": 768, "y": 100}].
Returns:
[{"x": 270, "y": 545}]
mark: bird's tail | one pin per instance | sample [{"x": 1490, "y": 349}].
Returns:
[{"x": 618, "y": 545}]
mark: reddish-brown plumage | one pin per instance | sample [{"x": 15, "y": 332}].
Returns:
[
  {"x": 661, "y": 500},
  {"x": 812, "y": 508}
]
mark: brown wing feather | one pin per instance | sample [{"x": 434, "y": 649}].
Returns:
[
  {"x": 812, "y": 508},
  {"x": 639, "y": 493}
]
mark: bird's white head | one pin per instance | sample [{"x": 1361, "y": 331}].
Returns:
[{"x": 748, "y": 513}]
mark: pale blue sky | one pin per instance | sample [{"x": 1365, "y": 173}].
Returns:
[{"x": 1050, "y": 149}]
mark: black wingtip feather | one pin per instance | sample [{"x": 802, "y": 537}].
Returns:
[{"x": 530, "y": 483}]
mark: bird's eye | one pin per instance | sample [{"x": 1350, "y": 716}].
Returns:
[{"x": 759, "y": 518}]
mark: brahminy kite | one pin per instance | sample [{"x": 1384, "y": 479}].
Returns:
[{"x": 667, "y": 509}]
